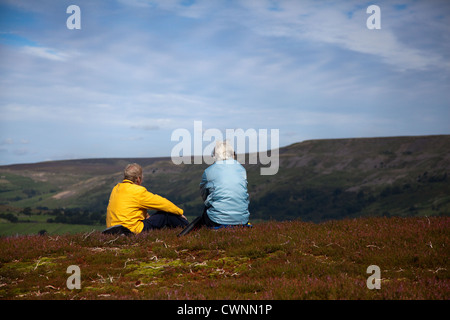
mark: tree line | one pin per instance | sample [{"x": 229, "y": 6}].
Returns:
[
  {"x": 77, "y": 216},
  {"x": 60, "y": 215}
]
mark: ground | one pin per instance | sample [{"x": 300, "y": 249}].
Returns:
[{"x": 271, "y": 261}]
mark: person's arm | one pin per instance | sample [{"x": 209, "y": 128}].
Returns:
[
  {"x": 149, "y": 200},
  {"x": 203, "y": 190}
]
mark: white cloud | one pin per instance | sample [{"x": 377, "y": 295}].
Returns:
[
  {"x": 331, "y": 24},
  {"x": 7, "y": 141},
  {"x": 146, "y": 127},
  {"x": 46, "y": 53},
  {"x": 193, "y": 9},
  {"x": 133, "y": 75}
]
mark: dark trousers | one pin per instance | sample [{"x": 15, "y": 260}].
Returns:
[
  {"x": 206, "y": 221},
  {"x": 161, "y": 219}
]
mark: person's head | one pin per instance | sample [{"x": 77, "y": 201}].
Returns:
[
  {"x": 223, "y": 151},
  {"x": 133, "y": 172}
]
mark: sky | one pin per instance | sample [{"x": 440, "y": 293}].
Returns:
[{"x": 138, "y": 70}]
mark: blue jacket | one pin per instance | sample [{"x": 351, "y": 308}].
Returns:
[{"x": 224, "y": 191}]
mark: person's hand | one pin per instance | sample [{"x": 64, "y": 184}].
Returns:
[{"x": 184, "y": 217}]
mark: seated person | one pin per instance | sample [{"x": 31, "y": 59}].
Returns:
[
  {"x": 129, "y": 202},
  {"x": 224, "y": 190}
]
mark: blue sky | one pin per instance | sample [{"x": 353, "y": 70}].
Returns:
[{"x": 138, "y": 70}]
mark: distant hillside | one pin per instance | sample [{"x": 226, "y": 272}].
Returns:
[{"x": 317, "y": 180}]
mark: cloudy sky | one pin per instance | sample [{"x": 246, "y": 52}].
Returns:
[{"x": 138, "y": 70}]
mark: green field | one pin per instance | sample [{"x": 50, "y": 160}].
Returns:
[
  {"x": 33, "y": 223},
  {"x": 39, "y": 223},
  {"x": 33, "y": 228}
]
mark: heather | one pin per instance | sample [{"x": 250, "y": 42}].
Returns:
[{"x": 272, "y": 260}]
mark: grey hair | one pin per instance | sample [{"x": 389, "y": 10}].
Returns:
[
  {"x": 223, "y": 151},
  {"x": 132, "y": 172}
]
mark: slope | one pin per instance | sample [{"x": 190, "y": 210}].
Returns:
[{"x": 317, "y": 180}]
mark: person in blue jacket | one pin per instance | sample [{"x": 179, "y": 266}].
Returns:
[{"x": 224, "y": 190}]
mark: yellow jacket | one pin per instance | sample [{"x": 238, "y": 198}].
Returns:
[{"x": 128, "y": 206}]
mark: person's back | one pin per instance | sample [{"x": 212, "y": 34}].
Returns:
[
  {"x": 129, "y": 201},
  {"x": 224, "y": 191},
  {"x": 127, "y": 206}
]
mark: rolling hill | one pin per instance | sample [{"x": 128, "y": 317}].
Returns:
[{"x": 317, "y": 180}]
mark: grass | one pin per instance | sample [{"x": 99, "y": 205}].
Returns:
[
  {"x": 33, "y": 224},
  {"x": 272, "y": 260},
  {"x": 33, "y": 228},
  {"x": 37, "y": 222}
]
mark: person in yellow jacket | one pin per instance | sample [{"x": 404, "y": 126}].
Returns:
[{"x": 129, "y": 201}]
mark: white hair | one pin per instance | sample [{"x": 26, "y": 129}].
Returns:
[{"x": 223, "y": 151}]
